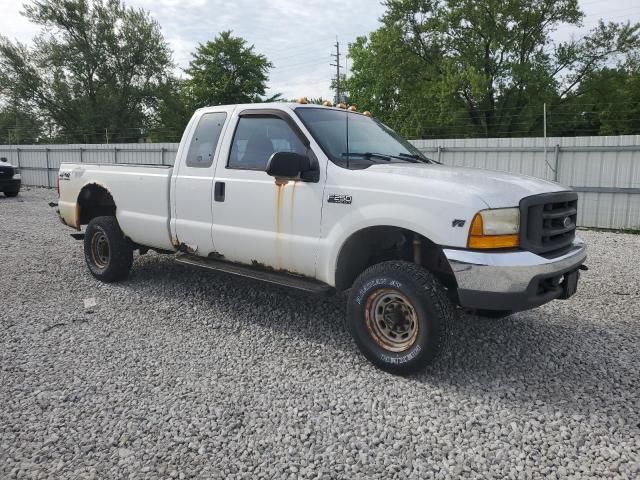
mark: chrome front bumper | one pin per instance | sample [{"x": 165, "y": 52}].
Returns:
[{"x": 511, "y": 280}]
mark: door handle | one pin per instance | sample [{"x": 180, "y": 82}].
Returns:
[{"x": 218, "y": 192}]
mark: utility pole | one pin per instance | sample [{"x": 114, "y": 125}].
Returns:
[
  {"x": 337, "y": 65},
  {"x": 544, "y": 128},
  {"x": 544, "y": 121},
  {"x": 346, "y": 62}
]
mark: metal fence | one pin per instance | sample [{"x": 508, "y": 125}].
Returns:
[
  {"x": 39, "y": 164},
  {"x": 605, "y": 171}
]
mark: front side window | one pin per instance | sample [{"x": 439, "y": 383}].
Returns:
[
  {"x": 205, "y": 140},
  {"x": 257, "y": 138},
  {"x": 356, "y": 141}
]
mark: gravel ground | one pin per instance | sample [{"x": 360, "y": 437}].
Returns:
[{"x": 179, "y": 373}]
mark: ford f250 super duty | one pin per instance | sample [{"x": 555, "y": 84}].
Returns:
[{"x": 327, "y": 200}]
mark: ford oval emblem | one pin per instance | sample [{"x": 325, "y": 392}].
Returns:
[{"x": 567, "y": 222}]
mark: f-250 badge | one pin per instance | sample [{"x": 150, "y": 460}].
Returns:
[{"x": 339, "y": 198}]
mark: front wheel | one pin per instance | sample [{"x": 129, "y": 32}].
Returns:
[
  {"x": 399, "y": 316},
  {"x": 108, "y": 253},
  {"x": 12, "y": 193}
]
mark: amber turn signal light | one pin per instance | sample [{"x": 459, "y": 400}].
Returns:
[{"x": 478, "y": 239}]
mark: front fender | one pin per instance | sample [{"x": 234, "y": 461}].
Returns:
[{"x": 434, "y": 225}]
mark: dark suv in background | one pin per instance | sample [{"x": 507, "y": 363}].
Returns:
[{"x": 9, "y": 178}]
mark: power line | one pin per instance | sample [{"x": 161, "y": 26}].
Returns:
[
  {"x": 457, "y": 117},
  {"x": 609, "y": 12},
  {"x": 298, "y": 64}
]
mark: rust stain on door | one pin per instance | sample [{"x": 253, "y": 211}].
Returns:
[
  {"x": 281, "y": 202},
  {"x": 292, "y": 204},
  {"x": 280, "y": 187}
]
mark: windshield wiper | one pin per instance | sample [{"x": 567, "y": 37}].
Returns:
[
  {"x": 381, "y": 156},
  {"x": 367, "y": 155},
  {"x": 417, "y": 157}
]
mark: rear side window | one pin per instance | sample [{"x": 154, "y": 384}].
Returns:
[
  {"x": 205, "y": 140},
  {"x": 257, "y": 138}
]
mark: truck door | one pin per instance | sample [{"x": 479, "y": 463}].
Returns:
[
  {"x": 193, "y": 182},
  {"x": 255, "y": 219}
]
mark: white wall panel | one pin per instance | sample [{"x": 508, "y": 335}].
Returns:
[{"x": 612, "y": 162}]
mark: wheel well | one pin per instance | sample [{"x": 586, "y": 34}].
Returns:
[
  {"x": 373, "y": 245},
  {"x": 94, "y": 201}
]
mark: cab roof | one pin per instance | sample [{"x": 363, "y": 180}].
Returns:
[{"x": 276, "y": 105}]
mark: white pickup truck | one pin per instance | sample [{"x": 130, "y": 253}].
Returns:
[{"x": 327, "y": 200}]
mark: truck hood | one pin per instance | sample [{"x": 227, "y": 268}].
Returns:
[{"x": 496, "y": 189}]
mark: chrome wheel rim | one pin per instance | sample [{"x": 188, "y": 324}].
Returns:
[
  {"x": 391, "y": 319},
  {"x": 100, "y": 250}
]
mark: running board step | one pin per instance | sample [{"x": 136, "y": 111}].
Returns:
[{"x": 278, "y": 278}]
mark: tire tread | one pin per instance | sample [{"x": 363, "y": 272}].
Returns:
[
  {"x": 121, "y": 250},
  {"x": 430, "y": 289}
]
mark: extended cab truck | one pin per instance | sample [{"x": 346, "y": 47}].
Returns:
[
  {"x": 322, "y": 199},
  {"x": 10, "y": 178}
]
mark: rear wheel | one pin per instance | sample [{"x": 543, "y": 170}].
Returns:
[
  {"x": 399, "y": 316},
  {"x": 107, "y": 252},
  {"x": 13, "y": 193}
]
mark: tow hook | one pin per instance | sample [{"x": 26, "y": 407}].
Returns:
[{"x": 584, "y": 267}]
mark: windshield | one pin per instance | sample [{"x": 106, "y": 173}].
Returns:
[{"x": 357, "y": 141}]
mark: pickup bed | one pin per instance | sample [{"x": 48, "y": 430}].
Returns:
[{"x": 327, "y": 200}]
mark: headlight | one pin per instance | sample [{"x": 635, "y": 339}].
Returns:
[{"x": 495, "y": 228}]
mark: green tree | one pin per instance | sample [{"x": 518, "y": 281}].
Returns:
[
  {"x": 399, "y": 87},
  {"x": 172, "y": 113},
  {"x": 226, "y": 71},
  {"x": 606, "y": 102},
  {"x": 18, "y": 126},
  {"x": 468, "y": 68},
  {"x": 96, "y": 67}
]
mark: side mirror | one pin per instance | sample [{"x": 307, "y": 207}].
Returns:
[{"x": 288, "y": 165}]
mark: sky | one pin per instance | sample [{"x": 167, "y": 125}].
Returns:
[{"x": 297, "y": 39}]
